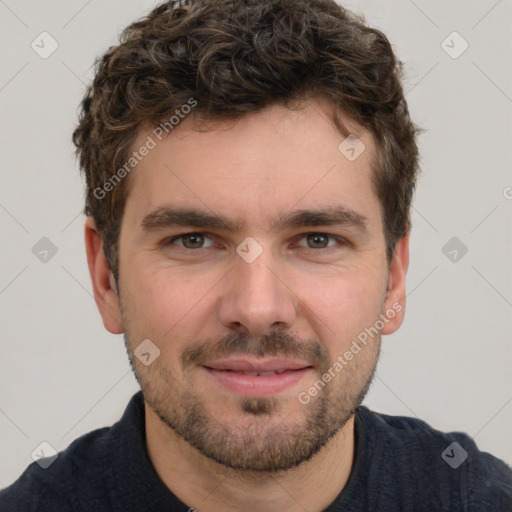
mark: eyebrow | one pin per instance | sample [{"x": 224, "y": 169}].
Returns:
[{"x": 168, "y": 216}]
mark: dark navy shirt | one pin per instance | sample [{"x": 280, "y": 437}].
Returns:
[{"x": 401, "y": 464}]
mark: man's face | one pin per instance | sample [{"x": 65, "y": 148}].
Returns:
[{"x": 293, "y": 297}]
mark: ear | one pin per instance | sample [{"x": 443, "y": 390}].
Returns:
[
  {"x": 396, "y": 296},
  {"x": 103, "y": 283}
]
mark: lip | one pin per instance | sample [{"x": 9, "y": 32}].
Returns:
[
  {"x": 248, "y": 365},
  {"x": 257, "y": 385}
]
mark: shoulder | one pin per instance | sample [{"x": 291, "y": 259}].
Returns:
[
  {"x": 59, "y": 486},
  {"x": 434, "y": 462}
]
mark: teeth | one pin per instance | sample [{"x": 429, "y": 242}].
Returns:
[{"x": 261, "y": 374}]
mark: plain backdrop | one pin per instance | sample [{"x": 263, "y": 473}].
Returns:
[{"x": 62, "y": 374}]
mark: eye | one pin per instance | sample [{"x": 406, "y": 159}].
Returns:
[
  {"x": 320, "y": 240},
  {"x": 197, "y": 240},
  {"x": 190, "y": 241}
]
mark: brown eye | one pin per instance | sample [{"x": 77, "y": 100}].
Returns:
[
  {"x": 317, "y": 240},
  {"x": 320, "y": 241},
  {"x": 190, "y": 241},
  {"x": 193, "y": 241}
]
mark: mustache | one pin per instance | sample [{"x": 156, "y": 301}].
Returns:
[{"x": 276, "y": 343}]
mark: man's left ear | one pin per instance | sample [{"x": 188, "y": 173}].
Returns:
[{"x": 396, "y": 296}]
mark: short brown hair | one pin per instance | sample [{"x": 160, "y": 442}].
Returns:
[{"x": 235, "y": 57}]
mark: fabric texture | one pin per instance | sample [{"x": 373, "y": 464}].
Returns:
[{"x": 401, "y": 464}]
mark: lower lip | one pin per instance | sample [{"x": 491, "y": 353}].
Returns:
[{"x": 257, "y": 385}]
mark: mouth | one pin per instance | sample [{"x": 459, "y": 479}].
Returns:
[
  {"x": 244, "y": 364},
  {"x": 257, "y": 378},
  {"x": 253, "y": 374}
]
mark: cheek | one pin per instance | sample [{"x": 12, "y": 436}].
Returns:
[
  {"x": 164, "y": 301},
  {"x": 343, "y": 304},
  {"x": 167, "y": 303}
]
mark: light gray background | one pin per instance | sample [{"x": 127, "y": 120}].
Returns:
[{"x": 62, "y": 374}]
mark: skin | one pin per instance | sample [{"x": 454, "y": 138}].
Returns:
[{"x": 213, "y": 449}]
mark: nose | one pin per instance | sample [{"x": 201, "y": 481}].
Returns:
[{"x": 257, "y": 298}]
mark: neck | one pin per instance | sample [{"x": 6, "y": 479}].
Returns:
[{"x": 208, "y": 486}]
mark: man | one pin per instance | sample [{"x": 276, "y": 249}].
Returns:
[{"x": 250, "y": 168}]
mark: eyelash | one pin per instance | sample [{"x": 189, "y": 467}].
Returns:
[{"x": 340, "y": 240}]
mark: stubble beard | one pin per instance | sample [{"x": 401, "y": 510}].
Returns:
[{"x": 265, "y": 444}]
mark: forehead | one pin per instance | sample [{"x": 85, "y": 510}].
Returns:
[{"x": 259, "y": 167}]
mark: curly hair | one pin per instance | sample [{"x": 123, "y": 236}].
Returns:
[{"x": 235, "y": 57}]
